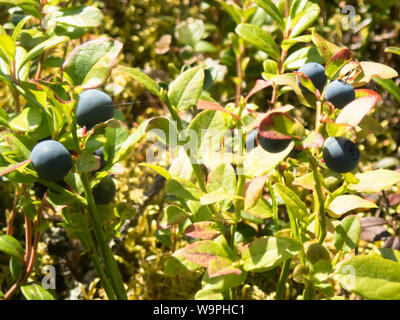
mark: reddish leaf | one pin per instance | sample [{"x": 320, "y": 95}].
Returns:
[
  {"x": 372, "y": 229},
  {"x": 260, "y": 85},
  {"x": 254, "y": 191},
  {"x": 220, "y": 267},
  {"x": 325, "y": 48},
  {"x": 204, "y": 251},
  {"x": 307, "y": 83},
  {"x": 259, "y": 116},
  {"x": 376, "y": 69},
  {"x": 208, "y": 105},
  {"x": 339, "y": 129},
  {"x": 14, "y": 167},
  {"x": 280, "y": 126},
  {"x": 392, "y": 242},
  {"x": 355, "y": 111},
  {"x": 337, "y": 61},
  {"x": 204, "y": 230},
  {"x": 394, "y": 199},
  {"x": 314, "y": 140},
  {"x": 367, "y": 93}
]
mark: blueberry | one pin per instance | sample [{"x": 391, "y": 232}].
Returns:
[
  {"x": 104, "y": 192},
  {"x": 51, "y": 160},
  {"x": 94, "y": 106},
  {"x": 340, "y": 154},
  {"x": 17, "y": 17},
  {"x": 273, "y": 145},
  {"x": 316, "y": 73},
  {"x": 251, "y": 140},
  {"x": 100, "y": 153},
  {"x": 339, "y": 93}
]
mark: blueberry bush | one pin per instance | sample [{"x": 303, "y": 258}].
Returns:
[{"x": 265, "y": 134}]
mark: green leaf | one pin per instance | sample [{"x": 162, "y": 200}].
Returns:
[
  {"x": 371, "y": 277},
  {"x": 203, "y": 230},
  {"x": 42, "y": 47},
  {"x": 165, "y": 130},
  {"x": 204, "y": 251},
  {"x": 143, "y": 79},
  {"x": 208, "y": 295},
  {"x": 292, "y": 201},
  {"x": 266, "y": 253},
  {"x": 281, "y": 125},
  {"x": 160, "y": 170},
  {"x": 34, "y": 291},
  {"x": 347, "y": 234},
  {"x": 87, "y": 162},
  {"x": 388, "y": 253},
  {"x": 233, "y": 9},
  {"x": 345, "y": 203},
  {"x": 172, "y": 215},
  {"x": 223, "y": 176},
  {"x": 287, "y": 43},
  {"x": 81, "y": 17},
  {"x": 124, "y": 148},
  {"x": 325, "y": 48},
  {"x": 19, "y": 26},
  {"x": 89, "y": 65},
  {"x": 11, "y": 246},
  {"x": 216, "y": 196},
  {"x": 375, "y": 181},
  {"x": 222, "y": 283},
  {"x": 259, "y": 162},
  {"x": 28, "y": 207},
  {"x": 7, "y": 48},
  {"x": 254, "y": 192},
  {"x": 28, "y": 120},
  {"x": 259, "y": 213},
  {"x": 259, "y": 38},
  {"x": 272, "y": 10},
  {"x": 183, "y": 188},
  {"x": 305, "y": 19},
  {"x": 185, "y": 90},
  {"x": 190, "y": 32},
  {"x": 15, "y": 267},
  {"x": 389, "y": 85},
  {"x": 20, "y": 2},
  {"x": 177, "y": 265},
  {"x": 395, "y": 50},
  {"x": 206, "y": 131},
  {"x": 302, "y": 56},
  {"x": 337, "y": 61},
  {"x": 20, "y": 149}
]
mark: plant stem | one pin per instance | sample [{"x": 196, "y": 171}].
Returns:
[
  {"x": 195, "y": 166},
  {"x": 308, "y": 291},
  {"x": 275, "y": 217},
  {"x": 280, "y": 291},
  {"x": 321, "y": 204},
  {"x": 109, "y": 261}
]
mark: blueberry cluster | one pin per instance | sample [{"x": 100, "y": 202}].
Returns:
[{"x": 52, "y": 161}]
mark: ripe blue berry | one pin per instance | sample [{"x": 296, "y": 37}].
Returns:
[
  {"x": 104, "y": 192},
  {"x": 341, "y": 154},
  {"x": 94, "y": 106},
  {"x": 316, "y": 73},
  {"x": 273, "y": 145},
  {"x": 99, "y": 152},
  {"x": 51, "y": 160},
  {"x": 339, "y": 93}
]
